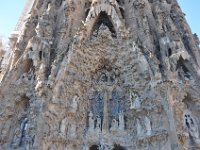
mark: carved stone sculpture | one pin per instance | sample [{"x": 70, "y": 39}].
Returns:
[
  {"x": 98, "y": 124},
  {"x": 147, "y": 125},
  {"x": 191, "y": 125},
  {"x": 121, "y": 121},
  {"x": 114, "y": 125},
  {"x": 140, "y": 130},
  {"x": 135, "y": 101},
  {"x": 101, "y": 74},
  {"x": 72, "y": 131},
  {"x": 17, "y": 138},
  {"x": 63, "y": 127},
  {"x": 74, "y": 104},
  {"x": 91, "y": 122},
  {"x": 139, "y": 4}
]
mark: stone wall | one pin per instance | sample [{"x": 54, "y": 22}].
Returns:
[{"x": 102, "y": 74}]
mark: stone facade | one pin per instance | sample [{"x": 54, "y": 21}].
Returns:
[{"x": 102, "y": 75}]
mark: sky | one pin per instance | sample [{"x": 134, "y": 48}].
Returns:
[
  {"x": 10, "y": 11},
  {"x": 192, "y": 10}
]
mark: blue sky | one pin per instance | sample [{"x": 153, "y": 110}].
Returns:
[
  {"x": 10, "y": 11},
  {"x": 192, "y": 10}
]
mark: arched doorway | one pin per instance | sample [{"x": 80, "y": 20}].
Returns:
[
  {"x": 118, "y": 147},
  {"x": 94, "y": 147},
  {"x": 106, "y": 20}
]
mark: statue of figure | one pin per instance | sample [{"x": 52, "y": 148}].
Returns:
[
  {"x": 114, "y": 124},
  {"x": 74, "y": 104},
  {"x": 6, "y": 127},
  {"x": 72, "y": 131},
  {"x": 191, "y": 125},
  {"x": 177, "y": 49},
  {"x": 140, "y": 131},
  {"x": 41, "y": 25},
  {"x": 44, "y": 28},
  {"x": 121, "y": 121},
  {"x": 176, "y": 44},
  {"x": 53, "y": 70},
  {"x": 147, "y": 125},
  {"x": 42, "y": 69},
  {"x": 42, "y": 73},
  {"x": 17, "y": 138},
  {"x": 135, "y": 101},
  {"x": 164, "y": 42},
  {"x": 19, "y": 133},
  {"x": 162, "y": 14},
  {"x": 63, "y": 125},
  {"x": 91, "y": 121},
  {"x": 98, "y": 125}
]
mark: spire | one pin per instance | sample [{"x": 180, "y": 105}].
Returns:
[{"x": 24, "y": 14}]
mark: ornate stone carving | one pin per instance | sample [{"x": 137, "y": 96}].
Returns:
[
  {"x": 98, "y": 124},
  {"x": 63, "y": 127},
  {"x": 135, "y": 100},
  {"x": 114, "y": 125},
  {"x": 147, "y": 125},
  {"x": 191, "y": 125},
  {"x": 144, "y": 126},
  {"x": 74, "y": 104},
  {"x": 72, "y": 133},
  {"x": 139, "y": 4},
  {"x": 91, "y": 122},
  {"x": 105, "y": 74},
  {"x": 121, "y": 121},
  {"x": 17, "y": 138},
  {"x": 19, "y": 134},
  {"x": 140, "y": 130}
]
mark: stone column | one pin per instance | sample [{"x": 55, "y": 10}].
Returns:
[
  {"x": 105, "y": 125},
  {"x": 167, "y": 94}
]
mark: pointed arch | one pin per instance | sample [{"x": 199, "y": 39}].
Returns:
[
  {"x": 103, "y": 13},
  {"x": 104, "y": 19}
]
